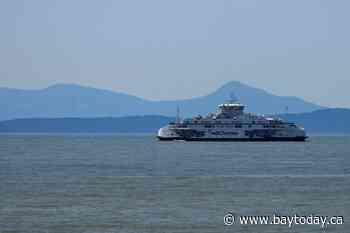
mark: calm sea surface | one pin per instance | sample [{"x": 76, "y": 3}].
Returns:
[{"x": 135, "y": 184}]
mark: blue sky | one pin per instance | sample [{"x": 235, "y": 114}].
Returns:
[{"x": 160, "y": 49}]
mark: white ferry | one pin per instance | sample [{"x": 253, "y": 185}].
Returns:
[{"x": 231, "y": 123}]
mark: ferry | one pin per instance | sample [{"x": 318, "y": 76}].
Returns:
[{"x": 231, "y": 123}]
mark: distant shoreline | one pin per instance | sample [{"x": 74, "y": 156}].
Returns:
[{"x": 76, "y": 133}]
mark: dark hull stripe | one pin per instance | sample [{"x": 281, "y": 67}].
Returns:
[
  {"x": 168, "y": 138},
  {"x": 284, "y": 139}
]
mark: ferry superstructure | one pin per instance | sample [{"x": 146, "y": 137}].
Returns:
[{"x": 231, "y": 123}]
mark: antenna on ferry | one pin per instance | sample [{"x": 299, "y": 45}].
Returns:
[
  {"x": 177, "y": 114},
  {"x": 233, "y": 97}
]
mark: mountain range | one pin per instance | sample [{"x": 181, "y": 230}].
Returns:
[{"x": 70, "y": 100}]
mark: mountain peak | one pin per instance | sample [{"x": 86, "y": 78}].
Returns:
[
  {"x": 232, "y": 85},
  {"x": 60, "y": 86},
  {"x": 238, "y": 88}
]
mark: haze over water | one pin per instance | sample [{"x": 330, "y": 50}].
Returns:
[{"x": 111, "y": 183}]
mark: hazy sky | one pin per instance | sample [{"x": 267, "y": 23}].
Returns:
[{"x": 180, "y": 48}]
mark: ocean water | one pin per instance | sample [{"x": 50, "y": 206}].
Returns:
[{"x": 136, "y": 184}]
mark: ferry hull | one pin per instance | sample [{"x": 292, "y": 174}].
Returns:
[
  {"x": 160, "y": 138},
  {"x": 281, "y": 139}
]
